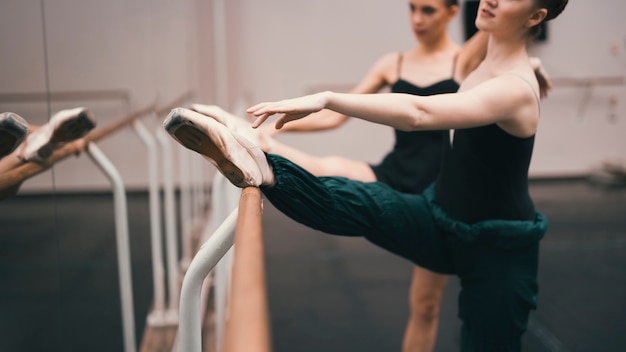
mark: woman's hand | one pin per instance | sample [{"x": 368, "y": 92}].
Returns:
[{"x": 292, "y": 109}]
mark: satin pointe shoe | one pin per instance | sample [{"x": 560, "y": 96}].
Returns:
[
  {"x": 13, "y": 130},
  {"x": 234, "y": 123},
  {"x": 64, "y": 126},
  {"x": 242, "y": 162}
]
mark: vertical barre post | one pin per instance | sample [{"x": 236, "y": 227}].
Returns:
[
  {"x": 197, "y": 191},
  {"x": 196, "y": 217},
  {"x": 185, "y": 214},
  {"x": 222, "y": 204},
  {"x": 158, "y": 315},
  {"x": 170, "y": 221},
  {"x": 190, "y": 325},
  {"x": 123, "y": 246},
  {"x": 217, "y": 216}
]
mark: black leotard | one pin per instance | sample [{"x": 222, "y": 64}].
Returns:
[
  {"x": 484, "y": 175},
  {"x": 414, "y": 162}
]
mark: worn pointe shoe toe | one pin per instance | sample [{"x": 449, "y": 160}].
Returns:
[
  {"x": 221, "y": 146},
  {"x": 13, "y": 130},
  {"x": 234, "y": 123},
  {"x": 64, "y": 126}
]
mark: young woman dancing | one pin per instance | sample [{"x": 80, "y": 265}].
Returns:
[
  {"x": 476, "y": 220},
  {"x": 435, "y": 66}
]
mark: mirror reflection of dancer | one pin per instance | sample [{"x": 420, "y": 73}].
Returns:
[
  {"x": 476, "y": 221},
  {"x": 21, "y": 143}
]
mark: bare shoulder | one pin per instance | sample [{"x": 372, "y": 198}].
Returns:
[
  {"x": 522, "y": 85},
  {"x": 504, "y": 98},
  {"x": 520, "y": 91},
  {"x": 508, "y": 86},
  {"x": 387, "y": 64},
  {"x": 379, "y": 75}
]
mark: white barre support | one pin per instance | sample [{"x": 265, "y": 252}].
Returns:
[
  {"x": 195, "y": 216},
  {"x": 224, "y": 198},
  {"x": 158, "y": 316},
  {"x": 588, "y": 81},
  {"x": 123, "y": 246},
  {"x": 209, "y": 254},
  {"x": 197, "y": 194},
  {"x": 185, "y": 207},
  {"x": 170, "y": 221}
]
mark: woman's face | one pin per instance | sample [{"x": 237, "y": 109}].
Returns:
[
  {"x": 430, "y": 18},
  {"x": 505, "y": 16}
]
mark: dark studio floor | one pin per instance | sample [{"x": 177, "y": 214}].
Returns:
[{"x": 59, "y": 290}]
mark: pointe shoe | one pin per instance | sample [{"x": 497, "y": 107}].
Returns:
[
  {"x": 13, "y": 130},
  {"x": 239, "y": 160},
  {"x": 64, "y": 126},
  {"x": 234, "y": 123}
]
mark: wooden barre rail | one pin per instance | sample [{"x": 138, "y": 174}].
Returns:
[
  {"x": 29, "y": 97},
  {"x": 588, "y": 81},
  {"x": 27, "y": 170},
  {"x": 125, "y": 121},
  {"x": 248, "y": 327},
  {"x": 556, "y": 82}
]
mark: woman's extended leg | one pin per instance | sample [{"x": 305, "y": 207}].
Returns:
[
  {"x": 398, "y": 222},
  {"x": 324, "y": 165}
]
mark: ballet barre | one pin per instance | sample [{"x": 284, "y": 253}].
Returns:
[
  {"x": 28, "y": 170},
  {"x": 556, "y": 82},
  {"x": 248, "y": 328},
  {"x": 249, "y": 324},
  {"x": 87, "y": 95},
  {"x": 588, "y": 81}
]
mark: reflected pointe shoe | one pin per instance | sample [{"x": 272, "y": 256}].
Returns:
[
  {"x": 64, "y": 126},
  {"x": 13, "y": 130},
  {"x": 234, "y": 123},
  {"x": 239, "y": 160}
]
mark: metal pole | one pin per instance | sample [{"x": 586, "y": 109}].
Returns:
[
  {"x": 248, "y": 323},
  {"x": 123, "y": 246},
  {"x": 185, "y": 203},
  {"x": 224, "y": 198},
  {"x": 158, "y": 316},
  {"x": 190, "y": 326},
  {"x": 170, "y": 221}
]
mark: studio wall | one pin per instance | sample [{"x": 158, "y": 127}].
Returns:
[{"x": 274, "y": 49}]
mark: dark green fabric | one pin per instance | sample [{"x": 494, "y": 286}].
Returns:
[
  {"x": 497, "y": 233},
  {"x": 495, "y": 260}
]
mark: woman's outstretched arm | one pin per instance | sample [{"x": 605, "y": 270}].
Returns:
[{"x": 497, "y": 100}]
